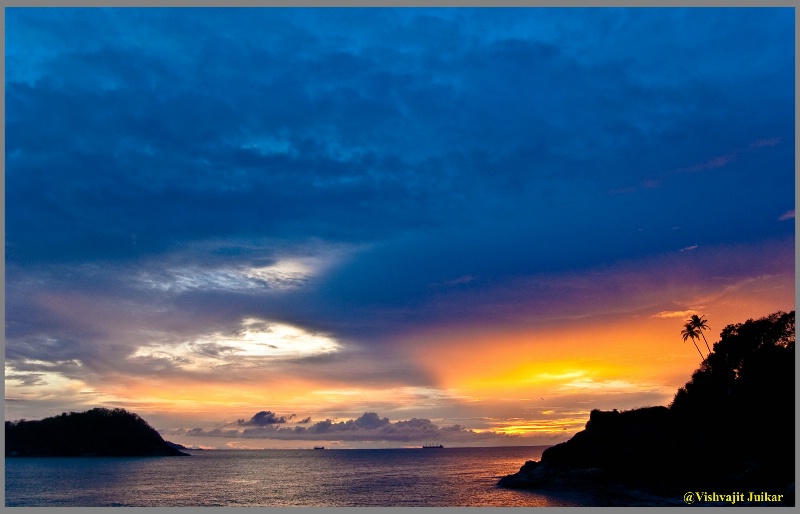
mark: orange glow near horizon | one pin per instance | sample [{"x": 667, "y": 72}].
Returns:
[
  {"x": 541, "y": 360},
  {"x": 627, "y": 354},
  {"x": 542, "y": 427},
  {"x": 534, "y": 380}
]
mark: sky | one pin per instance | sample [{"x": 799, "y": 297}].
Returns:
[{"x": 372, "y": 227}]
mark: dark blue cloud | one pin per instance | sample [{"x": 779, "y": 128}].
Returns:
[{"x": 434, "y": 144}]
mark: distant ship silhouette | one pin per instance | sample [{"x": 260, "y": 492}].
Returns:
[{"x": 432, "y": 446}]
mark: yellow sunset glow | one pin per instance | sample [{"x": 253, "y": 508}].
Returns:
[
  {"x": 554, "y": 426},
  {"x": 641, "y": 355},
  {"x": 511, "y": 361},
  {"x": 542, "y": 381}
]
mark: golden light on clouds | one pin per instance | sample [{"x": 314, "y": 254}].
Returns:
[
  {"x": 220, "y": 397},
  {"x": 529, "y": 359},
  {"x": 541, "y": 426},
  {"x": 539, "y": 381}
]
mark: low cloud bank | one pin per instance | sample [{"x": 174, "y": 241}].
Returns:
[{"x": 368, "y": 427}]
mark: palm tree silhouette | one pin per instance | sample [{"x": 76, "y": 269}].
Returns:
[
  {"x": 690, "y": 332},
  {"x": 700, "y": 323}
]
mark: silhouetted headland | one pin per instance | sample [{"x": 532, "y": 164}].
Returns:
[
  {"x": 97, "y": 432},
  {"x": 729, "y": 429}
]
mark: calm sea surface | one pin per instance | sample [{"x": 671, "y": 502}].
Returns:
[{"x": 448, "y": 477}]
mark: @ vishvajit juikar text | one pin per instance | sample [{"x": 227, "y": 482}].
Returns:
[{"x": 732, "y": 498}]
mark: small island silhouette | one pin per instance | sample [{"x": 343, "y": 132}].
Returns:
[
  {"x": 97, "y": 432},
  {"x": 730, "y": 429}
]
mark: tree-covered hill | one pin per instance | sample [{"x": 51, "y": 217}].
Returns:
[
  {"x": 730, "y": 428},
  {"x": 97, "y": 432}
]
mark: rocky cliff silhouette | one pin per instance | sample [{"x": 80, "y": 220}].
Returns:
[{"x": 730, "y": 428}]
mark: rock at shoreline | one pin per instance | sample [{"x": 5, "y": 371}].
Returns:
[
  {"x": 97, "y": 432},
  {"x": 612, "y": 449},
  {"x": 535, "y": 474}
]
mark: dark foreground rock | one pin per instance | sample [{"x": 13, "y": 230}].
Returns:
[
  {"x": 98, "y": 432},
  {"x": 593, "y": 483},
  {"x": 730, "y": 429}
]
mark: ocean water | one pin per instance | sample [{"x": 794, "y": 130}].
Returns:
[{"x": 448, "y": 477}]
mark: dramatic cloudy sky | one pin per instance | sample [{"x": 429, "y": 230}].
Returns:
[{"x": 275, "y": 227}]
